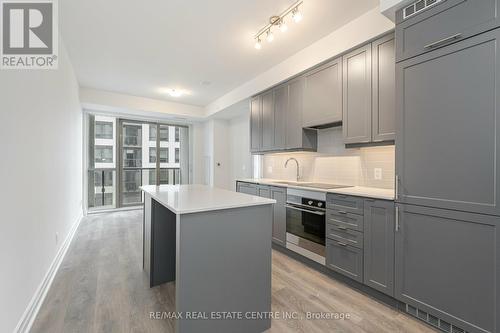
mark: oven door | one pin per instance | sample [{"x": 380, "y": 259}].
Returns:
[{"x": 305, "y": 227}]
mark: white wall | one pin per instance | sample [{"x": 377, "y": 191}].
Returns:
[
  {"x": 356, "y": 32},
  {"x": 240, "y": 159},
  {"x": 221, "y": 151},
  {"x": 41, "y": 170}
]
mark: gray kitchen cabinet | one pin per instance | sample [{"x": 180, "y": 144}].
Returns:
[
  {"x": 446, "y": 265},
  {"x": 279, "y": 219},
  {"x": 267, "y": 122},
  {"x": 378, "y": 249},
  {"x": 323, "y": 95},
  {"x": 247, "y": 188},
  {"x": 255, "y": 124},
  {"x": 383, "y": 89},
  {"x": 344, "y": 259},
  {"x": 445, "y": 23},
  {"x": 264, "y": 191},
  {"x": 280, "y": 113},
  {"x": 298, "y": 138},
  {"x": 357, "y": 95},
  {"x": 448, "y": 127}
]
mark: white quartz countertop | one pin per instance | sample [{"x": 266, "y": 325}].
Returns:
[
  {"x": 185, "y": 199},
  {"x": 360, "y": 191}
]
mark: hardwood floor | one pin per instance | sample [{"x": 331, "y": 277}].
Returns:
[{"x": 100, "y": 287}]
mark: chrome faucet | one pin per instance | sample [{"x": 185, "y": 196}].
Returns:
[{"x": 293, "y": 159}]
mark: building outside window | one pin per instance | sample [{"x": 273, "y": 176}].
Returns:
[
  {"x": 152, "y": 133},
  {"x": 163, "y": 155},
  {"x": 163, "y": 133},
  {"x": 177, "y": 155},
  {"x": 177, "y": 134},
  {"x": 132, "y": 135},
  {"x": 103, "y": 154},
  {"x": 104, "y": 130}
]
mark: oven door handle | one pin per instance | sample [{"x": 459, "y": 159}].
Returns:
[{"x": 305, "y": 210}]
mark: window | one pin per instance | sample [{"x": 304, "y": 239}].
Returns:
[
  {"x": 177, "y": 157},
  {"x": 163, "y": 133},
  {"x": 152, "y": 132},
  {"x": 103, "y": 154},
  {"x": 177, "y": 134},
  {"x": 132, "y": 157},
  {"x": 163, "y": 155},
  {"x": 152, "y": 155},
  {"x": 103, "y": 130},
  {"x": 132, "y": 135}
]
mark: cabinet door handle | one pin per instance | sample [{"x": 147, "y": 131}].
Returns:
[
  {"x": 342, "y": 212},
  {"x": 443, "y": 41},
  {"x": 341, "y": 228},
  {"x": 396, "y": 187},
  {"x": 397, "y": 219},
  {"x": 341, "y": 244}
]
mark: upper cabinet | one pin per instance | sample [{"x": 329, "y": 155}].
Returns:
[
  {"x": 356, "y": 90},
  {"x": 357, "y": 106},
  {"x": 255, "y": 124},
  {"x": 268, "y": 123},
  {"x": 323, "y": 95},
  {"x": 369, "y": 93},
  {"x": 276, "y": 120},
  {"x": 444, "y": 23},
  {"x": 298, "y": 138},
  {"x": 383, "y": 89}
]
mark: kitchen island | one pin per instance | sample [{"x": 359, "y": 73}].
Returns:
[{"x": 216, "y": 245}]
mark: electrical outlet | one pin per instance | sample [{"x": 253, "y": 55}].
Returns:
[{"x": 377, "y": 173}]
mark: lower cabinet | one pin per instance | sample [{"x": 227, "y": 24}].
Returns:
[
  {"x": 344, "y": 259},
  {"x": 247, "y": 188},
  {"x": 447, "y": 266},
  {"x": 379, "y": 245},
  {"x": 279, "y": 209},
  {"x": 279, "y": 221}
]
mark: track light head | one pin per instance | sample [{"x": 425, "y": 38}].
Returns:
[
  {"x": 296, "y": 15},
  {"x": 269, "y": 36},
  {"x": 258, "y": 44}
]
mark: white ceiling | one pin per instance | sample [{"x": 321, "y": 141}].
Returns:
[{"x": 138, "y": 47}]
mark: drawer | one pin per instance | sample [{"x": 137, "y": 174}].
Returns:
[
  {"x": 345, "y": 203},
  {"x": 442, "y": 24},
  {"x": 344, "y": 219},
  {"x": 344, "y": 259},
  {"x": 343, "y": 234}
]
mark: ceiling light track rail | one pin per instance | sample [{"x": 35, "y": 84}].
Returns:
[{"x": 278, "y": 21}]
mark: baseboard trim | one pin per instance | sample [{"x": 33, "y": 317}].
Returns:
[{"x": 29, "y": 315}]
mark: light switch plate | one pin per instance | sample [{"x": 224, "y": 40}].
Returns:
[{"x": 377, "y": 173}]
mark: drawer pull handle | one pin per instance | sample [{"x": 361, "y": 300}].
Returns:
[
  {"x": 341, "y": 228},
  {"x": 341, "y": 244},
  {"x": 443, "y": 41},
  {"x": 342, "y": 212}
]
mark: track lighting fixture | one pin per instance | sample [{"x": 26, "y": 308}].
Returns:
[{"x": 278, "y": 21}]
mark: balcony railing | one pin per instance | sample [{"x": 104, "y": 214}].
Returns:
[{"x": 131, "y": 181}]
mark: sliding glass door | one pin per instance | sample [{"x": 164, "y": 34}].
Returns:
[{"x": 134, "y": 153}]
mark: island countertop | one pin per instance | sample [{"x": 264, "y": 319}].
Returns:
[{"x": 185, "y": 199}]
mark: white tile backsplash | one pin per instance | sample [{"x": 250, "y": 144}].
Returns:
[{"x": 333, "y": 163}]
